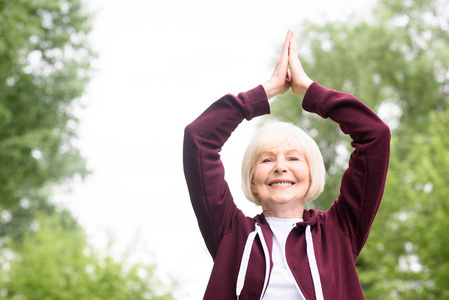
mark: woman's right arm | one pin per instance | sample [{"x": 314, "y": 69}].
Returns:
[
  {"x": 203, "y": 140},
  {"x": 203, "y": 169}
]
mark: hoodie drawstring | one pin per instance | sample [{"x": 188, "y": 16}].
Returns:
[
  {"x": 244, "y": 263},
  {"x": 267, "y": 259},
  {"x": 245, "y": 260},
  {"x": 313, "y": 265},
  {"x": 247, "y": 252}
]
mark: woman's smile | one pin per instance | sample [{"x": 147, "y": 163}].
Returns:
[{"x": 282, "y": 184}]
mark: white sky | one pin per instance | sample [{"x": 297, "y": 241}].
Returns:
[{"x": 161, "y": 63}]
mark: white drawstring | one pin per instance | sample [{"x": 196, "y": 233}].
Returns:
[
  {"x": 247, "y": 252},
  {"x": 244, "y": 263},
  {"x": 313, "y": 265},
  {"x": 267, "y": 259},
  {"x": 245, "y": 260}
]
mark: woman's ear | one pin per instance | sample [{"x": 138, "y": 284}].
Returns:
[{"x": 253, "y": 188}]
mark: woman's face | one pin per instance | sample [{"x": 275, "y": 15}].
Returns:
[{"x": 281, "y": 177}]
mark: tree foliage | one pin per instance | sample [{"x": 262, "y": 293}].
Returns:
[
  {"x": 396, "y": 60},
  {"x": 45, "y": 61},
  {"x": 54, "y": 261},
  {"x": 407, "y": 255},
  {"x": 44, "y": 67}
]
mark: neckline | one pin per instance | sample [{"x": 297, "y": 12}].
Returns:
[{"x": 283, "y": 221}]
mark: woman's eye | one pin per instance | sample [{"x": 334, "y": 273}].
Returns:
[
  {"x": 266, "y": 160},
  {"x": 293, "y": 158}
]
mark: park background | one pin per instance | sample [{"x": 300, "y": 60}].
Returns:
[{"x": 158, "y": 65}]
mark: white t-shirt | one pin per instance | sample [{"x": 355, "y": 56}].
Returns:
[{"x": 282, "y": 285}]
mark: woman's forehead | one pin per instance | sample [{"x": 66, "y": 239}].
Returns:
[{"x": 283, "y": 147}]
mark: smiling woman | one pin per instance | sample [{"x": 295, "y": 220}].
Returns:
[
  {"x": 284, "y": 252},
  {"x": 281, "y": 181},
  {"x": 273, "y": 135}
]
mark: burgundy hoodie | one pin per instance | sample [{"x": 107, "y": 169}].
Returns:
[{"x": 338, "y": 234}]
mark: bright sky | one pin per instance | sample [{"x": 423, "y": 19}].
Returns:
[{"x": 161, "y": 63}]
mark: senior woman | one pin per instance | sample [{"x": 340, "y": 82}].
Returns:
[{"x": 287, "y": 252}]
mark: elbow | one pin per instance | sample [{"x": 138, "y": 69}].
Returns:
[
  {"x": 190, "y": 133},
  {"x": 190, "y": 142},
  {"x": 381, "y": 137},
  {"x": 384, "y": 138},
  {"x": 385, "y": 132}
]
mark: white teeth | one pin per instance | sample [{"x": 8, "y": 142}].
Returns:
[{"x": 281, "y": 184}]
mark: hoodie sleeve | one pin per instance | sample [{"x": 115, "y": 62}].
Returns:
[
  {"x": 204, "y": 172},
  {"x": 363, "y": 181}
]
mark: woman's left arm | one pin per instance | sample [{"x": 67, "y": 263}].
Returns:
[{"x": 363, "y": 182}]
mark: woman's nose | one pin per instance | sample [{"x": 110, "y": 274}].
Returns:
[{"x": 280, "y": 166}]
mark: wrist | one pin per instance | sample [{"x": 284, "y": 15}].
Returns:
[
  {"x": 270, "y": 89},
  {"x": 307, "y": 84},
  {"x": 303, "y": 87}
]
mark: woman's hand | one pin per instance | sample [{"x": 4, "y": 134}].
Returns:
[
  {"x": 279, "y": 82},
  {"x": 300, "y": 82}
]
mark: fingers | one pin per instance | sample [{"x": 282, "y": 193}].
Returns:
[
  {"x": 281, "y": 79},
  {"x": 286, "y": 46},
  {"x": 293, "y": 60},
  {"x": 283, "y": 59},
  {"x": 299, "y": 79},
  {"x": 293, "y": 46},
  {"x": 281, "y": 69}
]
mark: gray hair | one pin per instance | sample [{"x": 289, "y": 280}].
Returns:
[{"x": 272, "y": 135}]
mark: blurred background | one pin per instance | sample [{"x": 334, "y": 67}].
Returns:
[{"x": 94, "y": 98}]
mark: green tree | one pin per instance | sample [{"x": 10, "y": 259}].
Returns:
[
  {"x": 44, "y": 67},
  {"x": 54, "y": 261},
  {"x": 407, "y": 255},
  {"x": 45, "y": 61}
]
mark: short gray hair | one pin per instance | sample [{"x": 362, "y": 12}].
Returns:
[{"x": 272, "y": 135}]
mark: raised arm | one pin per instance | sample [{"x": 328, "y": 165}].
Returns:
[
  {"x": 363, "y": 182},
  {"x": 209, "y": 193},
  {"x": 203, "y": 139}
]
